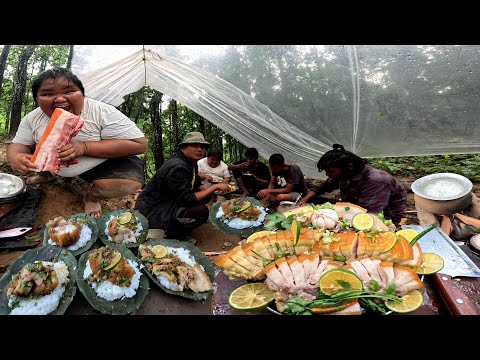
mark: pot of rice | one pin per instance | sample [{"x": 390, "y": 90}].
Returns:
[{"x": 443, "y": 193}]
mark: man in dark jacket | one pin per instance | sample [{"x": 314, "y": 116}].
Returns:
[{"x": 174, "y": 199}]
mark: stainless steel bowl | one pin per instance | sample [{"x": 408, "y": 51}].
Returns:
[
  {"x": 11, "y": 186},
  {"x": 443, "y": 193},
  {"x": 442, "y": 186}
]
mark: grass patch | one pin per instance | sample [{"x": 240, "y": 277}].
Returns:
[{"x": 467, "y": 165}]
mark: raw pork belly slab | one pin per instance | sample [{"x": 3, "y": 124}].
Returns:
[{"x": 61, "y": 128}]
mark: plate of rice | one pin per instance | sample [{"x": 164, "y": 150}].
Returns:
[
  {"x": 40, "y": 282},
  {"x": 111, "y": 280},
  {"x": 242, "y": 216},
  {"x": 124, "y": 226},
  {"x": 178, "y": 268},
  {"x": 76, "y": 233}
]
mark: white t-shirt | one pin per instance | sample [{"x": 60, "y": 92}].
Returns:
[
  {"x": 219, "y": 173},
  {"x": 102, "y": 122}
]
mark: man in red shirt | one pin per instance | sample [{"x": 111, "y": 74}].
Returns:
[{"x": 361, "y": 184}]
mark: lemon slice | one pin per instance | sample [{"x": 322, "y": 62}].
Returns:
[
  {"x": 117, "y": 257},
  {"x": 330, "y": 282},
  {"x": 296, "y": 231},
  {"x": 125, "y": 218},
  {"x": 390, "y": 240},
  {"x": 410, "y": 302},
  {"x": 363, "y": 222},
  {"x": 408, "y": 234},
  {"x": 431, "y": 263},
  {"x": 259, "y": 234},
  {"x": 253, "y": 296},
  {"x": 159, "y": 251}
]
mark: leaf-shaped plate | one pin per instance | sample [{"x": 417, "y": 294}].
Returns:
[
  {"x": 105, "y": 218},
  {"x": 200, "y": 259},
  {"x": 91, "y": 224},
  {"x": 222, "y": 226},
  {"x": 44, "y": 253},
  {"x": 115, "y": 307}
]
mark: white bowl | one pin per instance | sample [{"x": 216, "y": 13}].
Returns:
[
  {"x": 286, "y": 203},
  {"x": 442, "y": 186}
]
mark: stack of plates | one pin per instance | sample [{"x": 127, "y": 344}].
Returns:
[{"x": 12, "y": 188}]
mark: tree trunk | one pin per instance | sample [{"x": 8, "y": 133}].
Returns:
[
  {"x": 173, "y": 105},
  {"x": 3, "y": 63},
  {"x": 27, "y": 95},
  {"x": 201, "y": 123},
  {"x": 155, "y": 116},
  {"x": 70, "y": 57},
  {"x": 43, "y": 64},
  {"x": 19, "y": 85}
]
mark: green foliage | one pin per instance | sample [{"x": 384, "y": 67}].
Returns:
[{"x": 467, "y": 165}]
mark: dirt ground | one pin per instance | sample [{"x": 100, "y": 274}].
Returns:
[{"x": 62, "y": 197}]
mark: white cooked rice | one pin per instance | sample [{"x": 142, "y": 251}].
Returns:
[
  {"x": 184, "y": 255},
  {"x": 443, "y": 188},
  {"x": 45, "y": 304},
  {"x": 106, "y": 290},
  {"x": 242, "y": 224},
  {"x": 127, "y": 238},
  {"x": 85, "y": 236}
]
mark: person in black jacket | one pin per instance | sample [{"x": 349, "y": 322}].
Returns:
[{"x": 174, "y": 199}]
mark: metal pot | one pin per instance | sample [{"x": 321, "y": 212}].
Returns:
[{"x": 443, "y": 193}]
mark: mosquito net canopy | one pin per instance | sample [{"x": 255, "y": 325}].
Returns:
[{"x": 298, "y": 100}]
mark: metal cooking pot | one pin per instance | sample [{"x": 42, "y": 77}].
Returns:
[
  {"x": 443, "y": 193},
  {"x": 12, "y": 188}
]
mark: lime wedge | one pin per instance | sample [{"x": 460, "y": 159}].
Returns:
[
  {"x": 410, "y": 302},
  {"x": 253, "y": 296}
]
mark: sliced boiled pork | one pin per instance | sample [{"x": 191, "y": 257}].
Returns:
[{"x": 61, "y": 128}]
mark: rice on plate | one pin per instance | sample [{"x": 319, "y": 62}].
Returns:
[
  {"x": 40, "y": 282},
  {"x": 76, "y": 233},
  {"x": 179, "y": 268},
  {"x": 111, "y": 280},
  {"x": 124, "y": 226}
]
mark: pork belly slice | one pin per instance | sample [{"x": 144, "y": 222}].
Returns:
[
  {"x": 281, "y": 240},
  {"x": 379, "y": 245},
  {"x": 309, "y": 263},
  {"x": 381, "y": 272},
  {"x": 297, "y": 270},
  {"x": 259, "y": 248},
  {"x": 403, "y": 275},
  {"x": 317, "y": 247},
  {"x": 61, "y": 128},
  {"x": 239, "y": 256},
  {"x": 387, "y": 267},
  {"x": 287, "y": 273},
  {"x": 315, "y": 277},
  {"x": 275, "y": 280},
  {"x": 358, "y": 268},
  {"x": 348, "y": 244},
  {"x": 305, "y": 241},
  {"x": 332, "y": 264},
  {"x": 372, "y": 270},
  {"x": 414, "y": 284},
  {"x": 417, "y": 257},
  {"x": 230, "y": 267}
]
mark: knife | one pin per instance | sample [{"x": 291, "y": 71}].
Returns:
[
  {"x": 14, "y": 232},
  {"x": 457, "y": 263}
]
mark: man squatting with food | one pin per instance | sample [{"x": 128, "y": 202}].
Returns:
[
  {"x": 174, "y": 199},
  {"x": 105, "y": 147}
]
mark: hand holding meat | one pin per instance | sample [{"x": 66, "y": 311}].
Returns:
[
  {"x": 71, "y": 151},
  {"x": 22, "y": 163}
]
